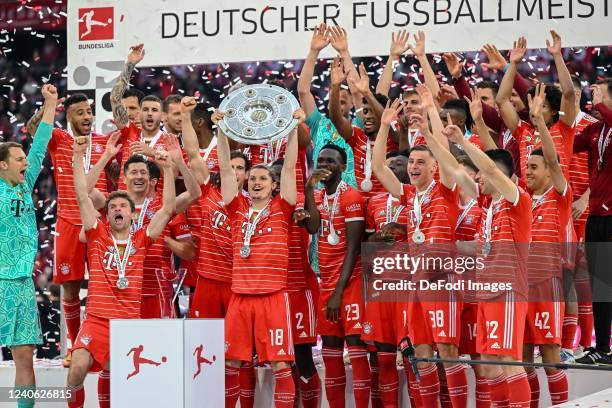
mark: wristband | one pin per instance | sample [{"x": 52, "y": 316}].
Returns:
[
  {"x": 506, "y": 67},
  {"x": 358, "y": 110}
]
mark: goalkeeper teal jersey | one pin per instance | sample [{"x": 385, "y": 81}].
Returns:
[{"x": 18, "y": 229}]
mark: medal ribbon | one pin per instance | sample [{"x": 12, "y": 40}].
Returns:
[
  {"x": 330, "y": 213},
  {"x": 391, "y": 215},
  {"x": 122, "y": 262},
  {"x": 418, "y": 215},
  {"x": 465, "y": 212},
  {"x": 252, "y": 226}
]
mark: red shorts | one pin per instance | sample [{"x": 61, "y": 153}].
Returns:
[
  {"x": 385, "y": 322},
  {"x": 351, "y": 312},
  {"x": 303, "y": 316},
  {"x": 545, "y": 318},
  {"x": 156, "y": 307},
  {"x": 469, "y": 316},
  {"x": 211, "y": 299},
  {"x": 500, "y": 326},
  {"x": 94, "y": 336},
  {"x": 260, "y": 322},
  {"x": 70, "y": 253},
  {"x": 435, "y": 321}
]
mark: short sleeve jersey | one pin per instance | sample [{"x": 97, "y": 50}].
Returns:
[
  {"x": 384, "y": 209},
  {"x": 468, "y": 221},
  {"x": 299, "y": 273},
  {"x": 60, "y": 149},
  {"x": 264, "y": 270},
  {"x": 104, "y": 298}
]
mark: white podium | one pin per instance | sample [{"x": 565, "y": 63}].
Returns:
[{"x": 167, "y": 363}]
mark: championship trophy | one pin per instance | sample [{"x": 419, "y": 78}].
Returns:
[{"x": 258, "y": 114}]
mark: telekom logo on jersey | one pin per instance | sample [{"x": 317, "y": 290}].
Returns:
[{"x": 97, "y": 23}]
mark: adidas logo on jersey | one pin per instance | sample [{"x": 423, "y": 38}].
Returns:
[
  {"x": 357, "y": 326},
  {"x": 281, "y": 352},
  {"x": 303, "y": 334},
  {"x": 548, "y": 335},
  {"x": 442, "y": 333},
  {"x": 495, "y": 346}
]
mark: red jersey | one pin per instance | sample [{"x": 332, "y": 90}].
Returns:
[
  {"x": 474, "y": 139},
  {"x": 215, "y": 255},
  {"x": 384, "y": 209},
  {"x": 264, "y": 270},
  {"x": 362, "y": 151},
  {"x": 579, "y": 165},
  {"x": 529, "y": 139},
  {"x": 349, "y": 207},
  {"x": 468, "y": 221},
  {"x": 299, "y": 273},
  {"x": 104, "y": 298},
  {"x": 552, "y": 225},
  {"x": 131, "y": 134},
  {"x": 60, "y": 149},
  {"x": 509, "y": 224}
]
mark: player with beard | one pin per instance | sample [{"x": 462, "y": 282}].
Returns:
[
  {"x": 551, "y": 228},
  {"x": 559, "y": 109},
  {"x": 433, "y": 208},
  {"x": 360, "y": 140},
  {"x": 115, "y": 276},
  {"x": 385, "y": 322},
  {"x": 19, "y": 321},
  {"x": 70, "y": 254},
  {"x": 171, "y": 114},
  {"x": 258, "y": 316},
  {"x": 337, "y": 214}
]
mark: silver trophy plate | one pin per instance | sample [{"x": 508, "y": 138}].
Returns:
[{"x": 258, "y": 114}]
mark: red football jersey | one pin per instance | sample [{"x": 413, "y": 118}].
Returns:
[
  {"x": 579, "y": 165},
  {"x": 60, "y": 149},
  {"x": 104, "y": 298},
  {"x": 529, "y": 139},
  {"x": 264, "y": 270},
  {"x": 359, "y": 142},
  {"x": 299, "y": 272},
  {"x": 131, "y": 134},
  {"x": 384, "y": 209},
  {"x": 468, "y": 221},
  {"x": 215, "y": 255},
  {"x": 350, "y": 207}
]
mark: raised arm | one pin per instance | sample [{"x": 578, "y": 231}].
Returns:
[
  {"x": 229, "y": 187},
  {"x": 399, "y": 45},
  {"x": 379, "y": 153},
  {"x": 112, "y": 149},
  {"x": 342, "y": 124},
  {"x": 42, "y": 135},
  {"x": 506, "y": 109},
  {"x": 163, "y": 215},
  {"x": 487, "y": 167},
  {"x": 568, "y": 100},
  {"x": 313, "y": 221},
  {"x": 339, "y": 40},
  {"x": 319, "y": 41},
  {"x": 190, "y": 141},
  {"x": 86, "y": 207},
  {"x": 548, "y": 146},
  {"x": 191, "y": 184},
  {"x": 419, "y": 51},
  {"x": 288, "y": 188},
  {"x": 120, "y": 115},
  {"x": 476, "y": 110}
]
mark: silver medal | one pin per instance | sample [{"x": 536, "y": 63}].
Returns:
[
  {"x": 122, "y": 283},
  {"x": 418, "y": 237},
  {"x": 366, "y": 186},
  {"x": 245, "y": 251},
  {"x": 333, "y": 239}
]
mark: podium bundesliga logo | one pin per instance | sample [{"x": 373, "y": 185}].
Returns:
[
  {"x": 96, "y": 24},
  {"x": 138, "y": 360}
]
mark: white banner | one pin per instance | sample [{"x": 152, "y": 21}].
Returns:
[{"x": 198, "y": 32}]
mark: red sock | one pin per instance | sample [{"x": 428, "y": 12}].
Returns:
[
  {"x": 104, "y": 389},
  {"x": 568, "y": 334},
  {"x": 519, "y": 392},
  {"x": 557, "y": 386},
  {"x": 78, "y": 397},
  {"x": 296, "y": 378},
  {"x": 585, "y": 321},
  {"x": 534, "y": 384},
  {"x": 499, "y": 392},
  {"x": 232, "y": 386},
  {"x": 335, "y": 376},
  {"x": 445, "y": 400},
  {"x": 361, "y": 375},
  {"x": 429, "y": 386},
  {"x": 457, "y": 385},
  {"x": 413, "y": 386},
  {"x": 375, "y": 391},
  {"x": 284, "y": 389},
  {"x": 483, "y": 393},
  {"x": 388, "y": 379},
  {"x": 72, "y": 315},
  {"x": 247, "y": 382},
  {"x": 310, "y": 391}
]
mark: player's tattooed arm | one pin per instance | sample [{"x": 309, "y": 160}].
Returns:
[
  {"x": 34, "y": 121},
  {"x": 120, "y": 114}
]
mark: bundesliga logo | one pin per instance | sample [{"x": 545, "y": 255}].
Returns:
[{"x": 96, "y": 24}]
